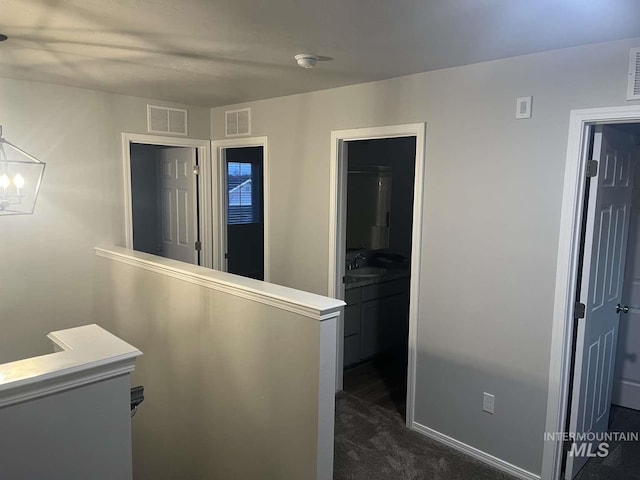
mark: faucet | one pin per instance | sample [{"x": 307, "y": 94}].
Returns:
[{"x": 354, "y": 263}]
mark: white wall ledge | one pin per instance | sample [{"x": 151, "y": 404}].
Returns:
[
  {"x": 303, "y": 303},
  {"x": 82, "y": 355}
]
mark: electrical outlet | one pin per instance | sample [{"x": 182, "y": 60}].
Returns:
[{"x": 488, "y": 402}]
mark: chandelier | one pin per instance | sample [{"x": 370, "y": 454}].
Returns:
[{"x": 20, "y": 179}]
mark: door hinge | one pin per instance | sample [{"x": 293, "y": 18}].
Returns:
[
  {"x": 592, "y": 168},
  {"x": 198, "y": 246},
  {"x": 196, "y": 169},
  {"x": 579, "y": 310}
]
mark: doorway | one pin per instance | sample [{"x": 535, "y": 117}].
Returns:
[
  {"x": 591, "y": 291},
  {"x": 243, "y": 206},
  {"x": 365, "y": 262},
  {"x": 379, "y": 214},
  {"x": 601, "y": 289},
  {"x": 165, "y": 209},
  {"x": 163, "y": 201}
]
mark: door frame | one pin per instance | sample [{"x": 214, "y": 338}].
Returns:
[
  {"x": 568, "y": 262},
  {"x": 337, "y": 235},
  {"x": 220, "y": 199},
  {"x": 203, "y": 149}
]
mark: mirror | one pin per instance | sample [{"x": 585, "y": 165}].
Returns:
[{"x": 368, "y": 207}]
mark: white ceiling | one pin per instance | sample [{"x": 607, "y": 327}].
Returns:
[{"x": 219, "y": 52}]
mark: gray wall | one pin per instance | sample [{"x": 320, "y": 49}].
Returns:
[
  {"x": 49, "y": 255},
  {"x": 231, "y": 385},
  {"x": 490, "y": 236},
  {"x": 73, "y": 435}
]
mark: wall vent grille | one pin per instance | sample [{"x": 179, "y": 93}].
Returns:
[
  {"x": 238, "y": 122},
  {"x": 166, "y": 120},
  {"x": 633, "y": 90}
]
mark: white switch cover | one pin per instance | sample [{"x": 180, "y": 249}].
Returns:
[
  {"x": 488, "y": 401},
  {"x": 523, "y": 107}
]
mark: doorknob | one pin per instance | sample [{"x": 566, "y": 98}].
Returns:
[{"x": 620, "y": 308}]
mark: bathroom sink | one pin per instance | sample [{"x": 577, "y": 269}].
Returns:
[{"x": 366, "y": 272}]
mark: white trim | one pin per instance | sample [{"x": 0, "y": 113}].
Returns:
[
  {"x": 484, "y": 457},
  {"x": 83, "y": 355},
  {"x": 220, "y": 199},
  {"x": 626, "y": 393},
  {"x": 566, "y": 274},
  {"x": 302, "y": 303},
  {"x": 337, "y": 235},
  {"x": 326, "y": 399},
  {"x": 204, "y": 178}
]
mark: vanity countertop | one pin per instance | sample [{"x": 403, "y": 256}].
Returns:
[{"x": 392, "y": 274}]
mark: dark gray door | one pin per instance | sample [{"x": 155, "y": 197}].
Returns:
[{"x": 245, "y": 211}]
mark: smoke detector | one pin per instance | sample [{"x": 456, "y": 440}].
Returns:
[{"x": 306, "y": 60}]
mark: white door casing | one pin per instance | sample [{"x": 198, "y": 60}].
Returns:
[
  {"x": 207, "y": 214},
  {"x": 178, "y": 203},
  {"x": 606, "y": 233},
  {"x": 337, "y": 236}
]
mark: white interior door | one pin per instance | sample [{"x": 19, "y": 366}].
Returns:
[
  {"x": 607, "y": 228},
  {"x": 626, "y": 383},
  {"x": 177, "y": 204}
]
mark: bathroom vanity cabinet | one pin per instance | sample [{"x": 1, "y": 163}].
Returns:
[{"x": 376, "y": 318}]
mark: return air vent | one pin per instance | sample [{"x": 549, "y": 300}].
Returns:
[
  {"x": 238, "y": 122},
  {"x": 166, "y": 120},
  {"x": 633, "y": 91}
]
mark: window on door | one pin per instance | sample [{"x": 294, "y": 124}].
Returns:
[
  {"x": 244, "y": 200},
  {"x": 245, "y": 211}
]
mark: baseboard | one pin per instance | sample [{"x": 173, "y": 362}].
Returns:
[
  {"x": 626, "y": 393},
  {"x": 475, "y": 453}
]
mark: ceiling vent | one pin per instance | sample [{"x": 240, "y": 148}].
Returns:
[
  {"x": 633, "y": 90},
  {"x": 166, "y": 120},
  {"x": 238, "y": 122}
]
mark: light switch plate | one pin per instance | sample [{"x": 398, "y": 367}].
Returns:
[
  {"x": 523, "y": 107},
  {"x": 488, "y": 402}
]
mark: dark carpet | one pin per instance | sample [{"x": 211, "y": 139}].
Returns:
[
  {"x": 381, "y": 381},
  {"x": 372, "y": 443},
  {"x": 623, "y": 461}
]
